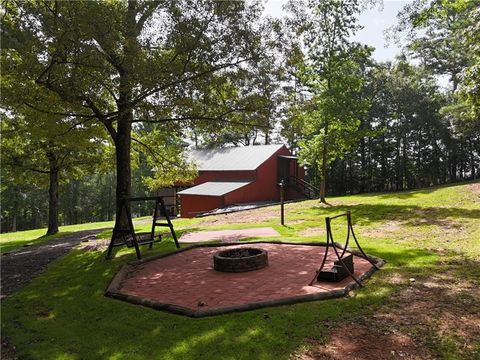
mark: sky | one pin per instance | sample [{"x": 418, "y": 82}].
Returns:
[{"x": 374, "y": 21}]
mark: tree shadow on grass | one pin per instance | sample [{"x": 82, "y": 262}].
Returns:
[
  {"x": 365, "y": 214},
  {"x": 407, "y": 194},
  {"x": 64, "y": 313},
  {"x": 12, "y": 245}
]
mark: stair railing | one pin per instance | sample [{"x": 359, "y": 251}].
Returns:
[{"x": 304, "y": 187}]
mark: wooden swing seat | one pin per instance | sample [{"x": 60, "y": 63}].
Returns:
[
  {"x": 125, "y": 235},
  {"x": 144, "y": 238}
]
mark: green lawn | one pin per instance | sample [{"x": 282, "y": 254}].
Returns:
[
  {"x": 15, "y": 240},
  {"x": 64, "y": 315}
]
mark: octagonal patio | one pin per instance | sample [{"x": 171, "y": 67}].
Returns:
[{"x": 185, "y": 282}]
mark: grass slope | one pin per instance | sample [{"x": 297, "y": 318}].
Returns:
[
  {"x": 14, "y": 240},
  {"x": 64, "y": 315}
]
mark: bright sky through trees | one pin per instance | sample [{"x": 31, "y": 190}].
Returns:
[{"x": 374, "y": 20}]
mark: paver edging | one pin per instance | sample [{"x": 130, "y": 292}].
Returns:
[
  {"x": 180, "y": 310},
  {"x": 113, "y": 289}
]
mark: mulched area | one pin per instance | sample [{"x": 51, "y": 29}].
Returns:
[
  {"x": 227, "y": 235},
  {"x": 20, "y": 266},
  {"x": 187, "y": 279}
]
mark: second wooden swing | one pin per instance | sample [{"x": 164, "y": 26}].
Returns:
[{"x": 124, "y": 233}]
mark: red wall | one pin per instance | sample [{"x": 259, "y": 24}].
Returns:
[
  {"x": 205, "y": 176},
  {"x": 192, "y": 205},
  {"x": 263, "y": 187}
]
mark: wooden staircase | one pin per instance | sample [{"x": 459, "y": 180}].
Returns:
[{"x": 310, "y": 191}]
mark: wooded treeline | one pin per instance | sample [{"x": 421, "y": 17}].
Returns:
[
  {"x": 97, "y": 106},
  {"x": 410, "y": 141}
]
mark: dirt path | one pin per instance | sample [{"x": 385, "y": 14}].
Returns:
[{"x": 20, "y": 266}]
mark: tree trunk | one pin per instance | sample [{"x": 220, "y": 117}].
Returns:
[
  {"x": 323, "y": 173},
  {"x": 122, "y": 152},
  {"x": 53, "y": 194},
  {"x": 15, "y": 210},
  {"x": 363, "y": 170},
  {"x": 384, "y": 169},
  {"x": 452, "y": 160},
  {"x": 123, "y": 135},
  {"x": 472, "y": 159},
  {"x": 405, "y": 180},
  {"x": 75, "y": 203}
]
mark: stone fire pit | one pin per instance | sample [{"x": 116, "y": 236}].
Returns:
[{"x": 240, "y": 260}]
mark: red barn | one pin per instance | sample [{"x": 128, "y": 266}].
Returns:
[{"x": 239, "y": 175}]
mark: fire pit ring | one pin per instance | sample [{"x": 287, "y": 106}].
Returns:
[{"x": 240, "y": 260}]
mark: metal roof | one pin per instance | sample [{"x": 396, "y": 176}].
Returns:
[
  {"x": 214, "y": 188},
  {"x": 233, "y": 158}
]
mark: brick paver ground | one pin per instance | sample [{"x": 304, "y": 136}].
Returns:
[
  {"x": 227, "y": 235},
  {"x": 187, "y": 279}
]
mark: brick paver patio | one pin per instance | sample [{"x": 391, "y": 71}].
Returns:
[{"x": 187, "y": 279}]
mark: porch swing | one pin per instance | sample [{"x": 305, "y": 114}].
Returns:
[{"x": 124, "y": 233}]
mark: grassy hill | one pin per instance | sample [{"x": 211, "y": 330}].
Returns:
[{"x": 430, "y": 235}]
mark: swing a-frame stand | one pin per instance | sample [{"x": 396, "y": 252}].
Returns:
[
  {"x": 124, "y": 232},
  {"x": 343, "y": 267}
]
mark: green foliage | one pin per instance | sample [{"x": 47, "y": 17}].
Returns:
[
  {"x": 163, "y": 146},
  {"x": 250, "y": 96},
  {"x": 436, "y": 33},
  {"x": 44, "y": 150},
  {"x": 332, "y": 115},
  {"x": 152, "y": 74},
  {"x": 119, "y": 64},
  {"x": 470, "y": 83},
  {"x": 444, "y": 36},
  {"x": 31, "y": 138},
  {"x": 331, "y": 72}
]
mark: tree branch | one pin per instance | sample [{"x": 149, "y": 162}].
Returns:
[
  {"x": 88, "y": 116},
  {"x": 219, "y": 118},
  {"x": 158, "y": 158},
  {"x": 14, "y": 164},
  {"x": 146, "y": 14},
  {"x": 103, "y": 118},
  {"x": 190, "y": 78}
]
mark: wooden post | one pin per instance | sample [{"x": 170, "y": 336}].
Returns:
[{"x": 282, "y": 201}]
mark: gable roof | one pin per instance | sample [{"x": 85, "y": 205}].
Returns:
[
  {"x": 214, "y": 188},
  {"x": 234, "y": 158}
]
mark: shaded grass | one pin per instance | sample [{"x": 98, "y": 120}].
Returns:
[
  {"x": 14, "y": 240},
  {"x": 21, "y": 240},
  {"x": 64, "y": 315}
]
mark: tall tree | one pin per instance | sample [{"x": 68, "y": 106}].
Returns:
[
  {"x": 470, "y": 81},
  {"x": 333, "y": 76},
  {"x": 443, "y": 35},
  {"x": 255, "y": 90},
  {"x": 119, "y": 63},
  {"x": 436, "y": 33},
  {"x": 45, "y": 152}
]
